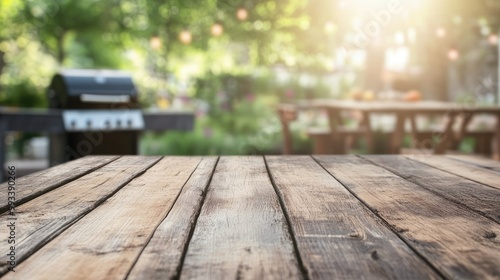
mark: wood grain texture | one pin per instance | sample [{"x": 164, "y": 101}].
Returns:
[
  {"x": 106, "y": 242},
  {"x": 468, "y": 171},
  {"x": 241, "y": 231},
  {"x": 479, "y": 161},
  {"x": 337, "y": 236},
  {"x": 44, "y": 217},
  {"x": 460, "y": 243},
  {"x": 478, "y": 197},
  {"x": 161, "y": 259},
  {"x": 33, "y": 185}
]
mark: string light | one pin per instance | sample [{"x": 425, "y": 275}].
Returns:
[
  {"x": 453, "y": 54},
  {"x": 329, "y": 27},
  {"x": 412, "y": 35},
  {"x": 493, "y": 39},
  {"x": 242, "y": 14},
  {"x": 440, "y": 32},
  {"x": 399, "y": 38},
  {"x": 485, "y": 30},
  {"x": 155, "y": 42},
  {"x": 185, "y": 37},
  {"x": 217, "y": 29}
]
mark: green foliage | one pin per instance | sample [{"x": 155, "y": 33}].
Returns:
[
  {"x": 205, "y": 140},
  {"x": 22, "y": 94},
  {"x": 39, "y": 36},
  {"x": 232, "y": 102}
]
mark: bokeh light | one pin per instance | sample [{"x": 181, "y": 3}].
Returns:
[{"x": 185, "y": 37}]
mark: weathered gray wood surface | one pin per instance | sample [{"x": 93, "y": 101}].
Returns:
[
  {"x": 162, "y": 257},
  {"x": 33, "y": 185},
  {"x": 479, "y": 161},
  {"x": 478, "y": 197},
  {"x": 107, "y": 241},
  {"x": 43, "y": 218},
  {"x": 458, "y": 242},
  {"x": 334, "y": 229},
  {"x": 465, "y": 170},
  {"x": 295, "y": 217},
  {"x": 241, "y": 232}
]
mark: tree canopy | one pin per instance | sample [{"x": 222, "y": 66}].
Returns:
[{"x": 156, "y": 37}]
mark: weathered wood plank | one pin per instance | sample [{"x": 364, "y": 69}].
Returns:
[
  {"x": 479, "y": 161},
  {"x": 462, "y": 169},
  {"x": 33, "y": 185},
  {"x": 44, "y": 217},
  {"x": 241, "y": 231},
  {"x": 460, "y": 243},
  {"x": 162, "y": 257},
  {"x": 105, "y": 243},
  {"x": 478, "y": 197},
  {"x": 338, "y": 237}
]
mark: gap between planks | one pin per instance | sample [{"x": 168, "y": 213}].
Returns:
[
  {"x": 176, "y": 229},
  {"x": 466, "y": 193},
  {"x": 303, "y": 268},
  {"x": 468, "y": 171},
  {"x": 478, "y": 161},
  {"x": 33, "y": 185}
]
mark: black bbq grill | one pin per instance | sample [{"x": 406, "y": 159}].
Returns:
[{"x": 100, "y": 112}]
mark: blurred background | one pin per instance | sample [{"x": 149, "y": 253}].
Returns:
[{"x": 232, "y": 61}]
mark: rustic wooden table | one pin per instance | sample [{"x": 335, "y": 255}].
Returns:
[
  {"x": 407, "y": 111},
  {"x": 294, "y": 217}
]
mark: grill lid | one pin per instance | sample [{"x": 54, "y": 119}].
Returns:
[{"x": 92, "y": 83}]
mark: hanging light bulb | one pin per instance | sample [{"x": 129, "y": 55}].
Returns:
[
  {"x": 217, "y": 29},
  {"x": 493, "y": 39},
  {"x": 185, "y": 37},
  {"x": 155, "y": 42},
  {"x": 399, "y": 38},
  {"x": 412, "y": 35},
  {"x": 329, "y": 27},
  {"x": 453, "y": 54},
  {"x": 242, "y": 14},
  {"x": 440, "y": 32}
]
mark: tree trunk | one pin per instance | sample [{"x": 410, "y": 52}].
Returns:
[
  {"x": 2, "y": 62},
  {"x": 61, "y": 55},
  {"x": 2, "y": 65},
  {"x": 374, "y": 67},
  {"x": 436, "y": 69}
]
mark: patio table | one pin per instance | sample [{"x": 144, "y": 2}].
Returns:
[
  {"x": 404, "y": 110},
  {"x": 254, "y": 217}
]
